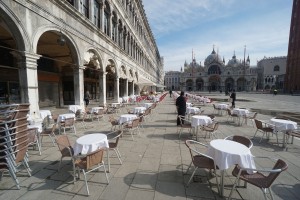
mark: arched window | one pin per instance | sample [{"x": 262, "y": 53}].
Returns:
[
  {"x": 214, "y": 69},
  {"x": 276, "y": 68}
]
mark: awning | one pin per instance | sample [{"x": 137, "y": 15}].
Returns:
[{"x": 145, "y": 82}]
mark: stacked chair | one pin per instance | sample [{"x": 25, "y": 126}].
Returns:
[{"x": 13, "y": 140}]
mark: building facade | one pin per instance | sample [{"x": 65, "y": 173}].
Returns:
[
  {"x": 292, "y": 83},
  {"x": 271, "y": 73},
  {"x": 172, "y": 80},
  {"x": 53, "y": 51},
  {"x": 215, "y": 75}
]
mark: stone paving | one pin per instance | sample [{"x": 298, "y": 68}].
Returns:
[{"x": 154, "y": 165}]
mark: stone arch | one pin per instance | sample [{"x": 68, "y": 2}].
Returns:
[
  {"x": 199, "y": 84},
  {"x": 229, "y": 84},
  {"x": 189, "y": 85},
  {"x": 214, "y": 83}
]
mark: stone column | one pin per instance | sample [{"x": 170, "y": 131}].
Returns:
[
  {"x": 102, "y": 5},
  {"x": 116, "y": 89},
  {"x": 29, "y": 81},
  {"x": 79, "y": 85},
  {"x": 102, "y": 88}
]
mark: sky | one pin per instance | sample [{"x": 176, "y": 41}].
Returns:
[{"x": 183, "y": 28}]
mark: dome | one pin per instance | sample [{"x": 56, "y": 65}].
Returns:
[
  {"x": 213, "y": 57},
  {"x": 233, "y": 62}
]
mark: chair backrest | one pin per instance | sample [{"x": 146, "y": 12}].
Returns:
[
  {"x": 196, "y": 148},
  {"x": 116, "y": 137},
  {"x": 216, "y": 126},
  {"x": 20, "y": 151},
  {"x": 94, "y": 158},
  {"x": 69, "y": 122},
  {"x": 135, "y": 122},
  {"x": 279, "y": 167},
  {"x": 254, "y": 115},
  {"x": 240, "y": 139},
  {"x": 64, "y": 145},
  {"x": 147, "y": 111},
  {"x": 258, "y": 124},
  {"x": 32, "y": 135},
  {"x": 228, "y": 111},
  {"x": 112, "y": 120}
]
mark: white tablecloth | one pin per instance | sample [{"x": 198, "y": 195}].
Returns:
[
  {"x": 147, "y": 105},
  {"x": 89, "y": 143},
  {"x": 283, "y": 125},
  {"x": 201, "y": 120},
  {"x": 227, "y": 153},
  {"x": 96, "y": 109},
  {"x": 240, "y": 112},
  {"x": 115, "y": 104},
  {"x": 222, "y": 106},
  {"x": 74, "y": 108},
  {"x": 126, "y": 118},
  {"x": 62, "y": 117},
  {"x": 188, "y": 104},
  {"x": 192, "y": 110},
  {"x": 45, "y": 113},
  {"x": 138, "y": 110},
  {"x": 36, "y": 125}
]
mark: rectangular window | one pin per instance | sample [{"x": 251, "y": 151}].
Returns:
[
  {"x": 84, "y": 7},
  {"x": 106, "y": 23},
  {"x": 97, "y": 14}
]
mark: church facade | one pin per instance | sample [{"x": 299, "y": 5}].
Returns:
[{"x": 215, "y": 75}]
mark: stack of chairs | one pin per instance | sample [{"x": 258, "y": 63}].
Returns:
[{"x": 13, "y": 140}]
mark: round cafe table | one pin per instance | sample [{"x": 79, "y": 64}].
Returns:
[
  {"x": 227, "y": 153},
  {"x": 126, "y": 118},
  {"x": 282, "y": 125},
  {"x": 138, "y": 110},
  {"x": 89, "y": 143}
]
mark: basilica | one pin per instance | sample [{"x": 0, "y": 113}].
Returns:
[{"x": 215, "y": 75}]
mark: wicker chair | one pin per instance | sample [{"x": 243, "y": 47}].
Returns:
[
  {"x": 114, "y": 122},
  {"x": 199, "y": 159},
  {"x": 264, "y": 128},
  {"x": 89, "y": 163},
  {"x": 65, "y": 149},
  {"x": 132, "y": 126},
  {"x": 231, "y": 115},
  {"x": 250, "y": 117},
  {"x": 113, "y": 141},
  {"x": 184, "y": 124},
  {"x": 33, "y": 138},
  {"x": 292, "y": 133},
  {"x": 211, "y": 129},
  {"x": 240, "y": 139},
  {"x": 50, "y": 133},
  {"x": 258, "y": 177},
  {"x": 68, "y": 122}
]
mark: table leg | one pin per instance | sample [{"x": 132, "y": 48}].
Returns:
[
  {"x": 222, "y": 183},
  {"x": 108, "y": 161}
]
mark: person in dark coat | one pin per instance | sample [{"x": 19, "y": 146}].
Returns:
[
  {"x": 233, "y": 98},
  {"x": 181, "y": 106}
]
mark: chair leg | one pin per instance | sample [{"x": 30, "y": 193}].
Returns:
[
  {"x": 192, "y": 176},
  {"x": 118, "y": 155},
  {"x": 188, "y": 168},
  {"x": 271, "y": 194},
  {"x": 233, "y": 188},
  {"x": 86, "y": 185}
]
